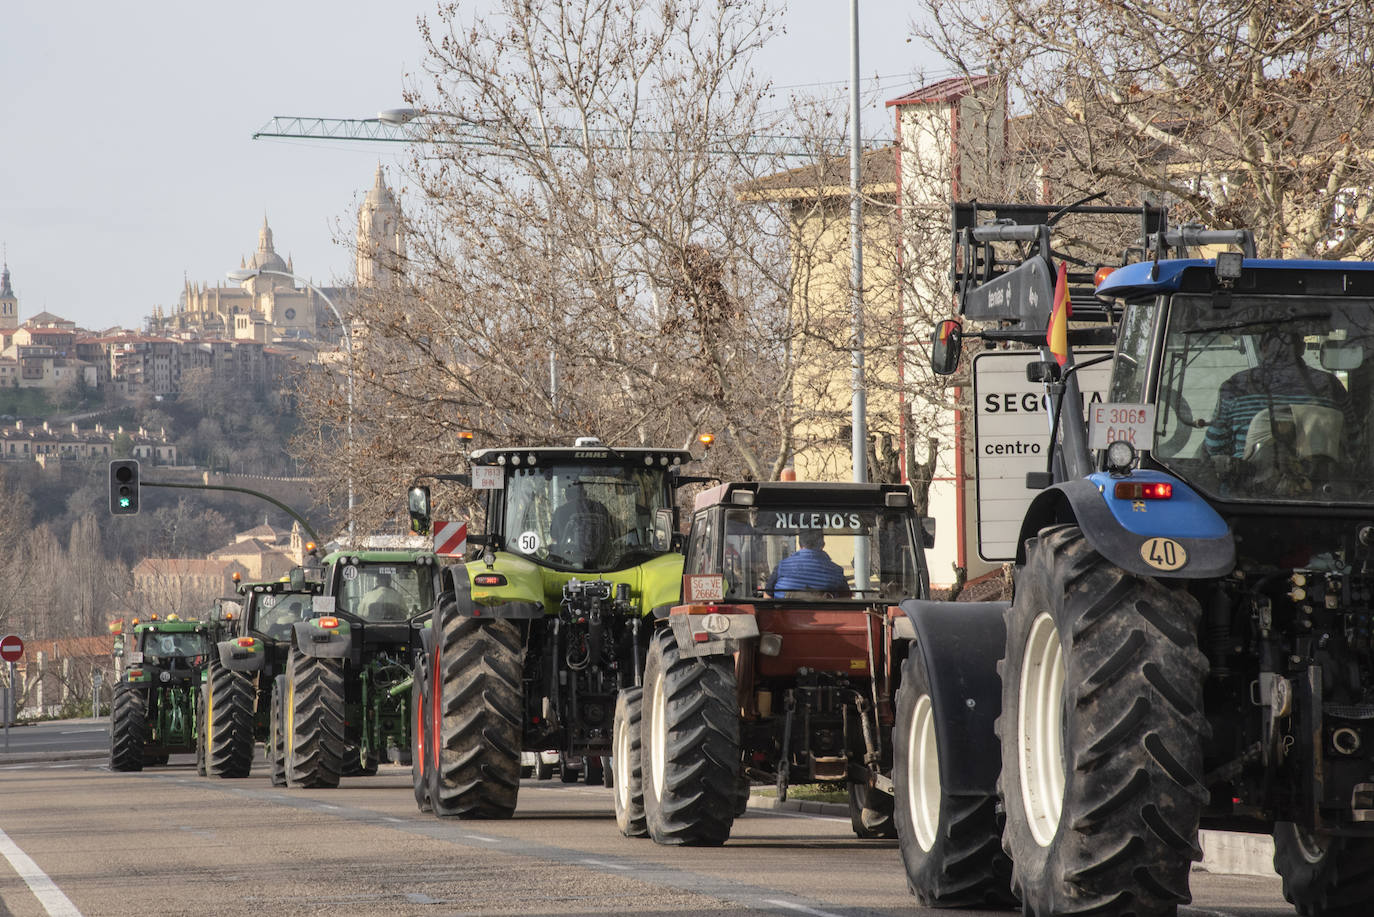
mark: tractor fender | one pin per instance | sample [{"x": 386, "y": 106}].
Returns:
[
  {"x": 458, "y": 596},
  {"x": 236, "y": 658},
  {"x": 1126, "y": 532},
  {"x": 719, "y": 633},
  {"x": 329, "y": 642},
  {"x": 960, "y": 643}
]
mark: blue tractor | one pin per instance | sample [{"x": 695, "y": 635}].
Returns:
[{"x": 1190, "y": 638}]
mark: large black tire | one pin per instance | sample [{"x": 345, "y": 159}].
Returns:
[
  {"x": 354, "y": 766},
  {"x": 1324, "y": 876},
  {"x": 228, "y": 721},
  {"x": 200, "y": 732},
  {"x": 128, "y": 728},
  {"x": 480, "y": 706},
  {"x": 314, "y": 727},
  {"x": 593, "y": 771},
  {"x": 951, "y": 844},
  {"x": 690, "y": 741},
  {"x": 420, "y": 755},
  {"x": 1101, "y": 730},
  {"x": 543, "y": 770},
  {"x": 567, "y": 774},
  {"x": 276, "y": 738},
  {"x": 870, "y": 812},
  {"x": 627, "y": 763}
]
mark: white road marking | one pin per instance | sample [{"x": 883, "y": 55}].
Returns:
[
  {"x": 325, "y": 805},
  {"x": 395, "y": 821},
  {"x": 794, "y": 906},
  {"x": 604, "y": 864},
  {"x": 483, "y": 838},
  {"x": 43, "y": 888}
]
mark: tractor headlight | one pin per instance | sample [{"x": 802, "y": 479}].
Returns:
[{"x": 1120, "y": 457}]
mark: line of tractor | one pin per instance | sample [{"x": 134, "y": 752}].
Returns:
[{"x": 1188, "y": 643}]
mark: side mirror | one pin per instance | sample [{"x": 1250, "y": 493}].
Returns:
[
  {"x": 417, "y": 502},
  {"x": 945, "y": 345},
  {"x": 928, "y": 531},
  {"x": 664, "y": 529},
  {"x": 296, "y": 578},
  {"x": 118, "y": 649},
  {"x": 228, "y": 611}
]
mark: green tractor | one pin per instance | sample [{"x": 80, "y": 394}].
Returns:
[
  {"x": 342, "y": 699},
  {"x": 533, "y": 640},
  {"x": 253, "y": 639},
  {"x": 153, "y": 714}
]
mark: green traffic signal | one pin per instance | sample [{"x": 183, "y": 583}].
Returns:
[{"x": 124, "y": 487}]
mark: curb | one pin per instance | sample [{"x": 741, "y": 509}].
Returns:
[
  {"x": 1237, "y": 854},
  {"x": 1223, "y": 852},
  {"x": 50, "y": 757},
  {"x": 757, "y": 801}
]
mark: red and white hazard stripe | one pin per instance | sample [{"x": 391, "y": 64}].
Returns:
[{"x": 450, "y": 538}]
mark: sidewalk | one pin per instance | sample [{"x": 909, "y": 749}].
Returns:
[{"x": 1224, "y": 852}]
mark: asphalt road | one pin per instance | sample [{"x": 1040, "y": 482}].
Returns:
[
  {"x": 78, "y": 839},
  {"x": 53, "y": 739}
]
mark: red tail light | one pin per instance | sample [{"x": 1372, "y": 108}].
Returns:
[{"x": 1144, "y": 490}]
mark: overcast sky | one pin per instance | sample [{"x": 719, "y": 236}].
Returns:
[{"x": 126, "y": 128}]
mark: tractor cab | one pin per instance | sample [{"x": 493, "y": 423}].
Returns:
[
  {"x": 1263, "y": 381},
  {"x": 837, "y": 542}
]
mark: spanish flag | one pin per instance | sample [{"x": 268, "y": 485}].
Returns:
[{"x": 1057, "y": 334}]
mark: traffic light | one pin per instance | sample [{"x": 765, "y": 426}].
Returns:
[{"x": 123, "y": 487}]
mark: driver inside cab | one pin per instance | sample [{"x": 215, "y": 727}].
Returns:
[
  {"x": 808, "y": 569},
  {"x": 1281, "y": 399},
  {"x": 383, "y": 602}
]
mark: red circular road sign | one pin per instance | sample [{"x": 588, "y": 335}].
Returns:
[{"x": 11, "y": 648}]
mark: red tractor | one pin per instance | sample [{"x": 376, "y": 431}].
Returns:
[{"x": 780, "y": 663}]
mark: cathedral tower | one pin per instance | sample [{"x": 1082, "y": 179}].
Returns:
[
  {"x": 381, "y": 238},
  {"x": 9, "y": 303}
]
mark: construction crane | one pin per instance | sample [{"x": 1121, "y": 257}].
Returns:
[{"x": 399, "y": 125}]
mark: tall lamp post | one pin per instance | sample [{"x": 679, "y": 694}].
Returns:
[{"x": 241, "y": 275}]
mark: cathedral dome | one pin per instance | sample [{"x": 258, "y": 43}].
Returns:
[{"x": 266, "y": 257}]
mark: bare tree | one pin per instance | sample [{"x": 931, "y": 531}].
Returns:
[
  {"x": 1241, "y": 113},
  {"x": 581, "y": 258}
]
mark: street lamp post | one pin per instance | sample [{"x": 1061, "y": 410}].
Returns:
[{"x": 240, "y": 275}]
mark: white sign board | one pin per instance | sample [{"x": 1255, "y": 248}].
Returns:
[
  {"x": 488, "y": 477},
  {"x": 1011, "y": 437}
]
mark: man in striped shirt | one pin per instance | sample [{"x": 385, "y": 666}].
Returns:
[
  {"x": 808, "y": 569},
  {"x": 1282, "y": 378}
]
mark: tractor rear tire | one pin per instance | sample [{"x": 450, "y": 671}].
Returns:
[
  {"x": 480, "y": 707},
  {"x": 354, "y": 766},
  {"x": 690, "y": 742},
  {"x": 228, "y": 719},
  {"x": 1324, "y": 876},
  {"x": 200, "y": 733},
  {"x": 1102, "y": 731},
  {"x": 951, "y": 844},
  {"x": 419, "y": 741},
  {"x": 314, "y": 712},
  {"x": 128, "y": 728},
  {"x": 627, "y": 763},
  {"x": 276, "y": 739},
  {"x": 870, "y": 812}
]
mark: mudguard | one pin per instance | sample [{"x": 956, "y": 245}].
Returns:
[
  {"x": 1127, "y": 532},
  {"x": 961, "y": 643},
  {"x": 717, "y": 634},
  {"x": 520, "y": 596},
  {"x": 330, "y": 642},
  {"x": 238, "y": 658}
]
